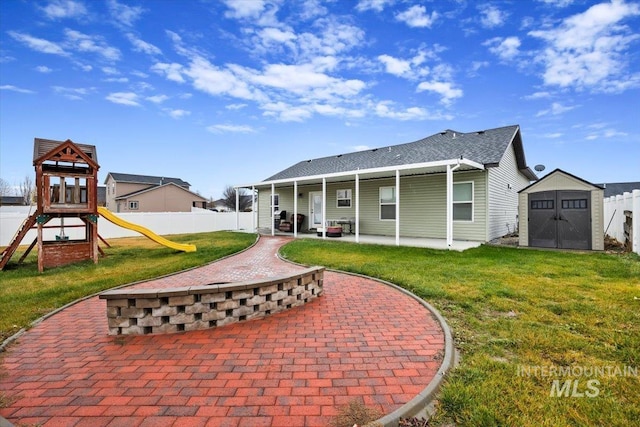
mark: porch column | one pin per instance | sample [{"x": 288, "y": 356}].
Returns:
[
  {"x": 357, "y": 208},
  {"x": 295, "y": 208},
  {"x": 324, "y": 208},
  {"x": 273, "y": 217},
  {"x": 237, "y": 210},
  {"x": 253, "y": 208},
  {"x": 397, "y": 207},
  {"x": 450, "y": 169}
]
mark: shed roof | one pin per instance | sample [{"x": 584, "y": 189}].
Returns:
[
  {"x": 485, "y": 147},
  {"x": 146, "y": 179},
  {"x": 42, "y": 146},
  {"x": 555, "y": 172}
]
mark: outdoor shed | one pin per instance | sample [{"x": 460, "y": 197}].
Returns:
[{"x": 561, "y": 211}]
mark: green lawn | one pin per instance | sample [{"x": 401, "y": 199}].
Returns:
[
  {"x": 511, "y": 311},
  {"x": 25, "y": 294},
  {"x": 516, "y": 315}
]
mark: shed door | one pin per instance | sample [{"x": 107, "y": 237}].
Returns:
[{"x": 560, "y": 219}]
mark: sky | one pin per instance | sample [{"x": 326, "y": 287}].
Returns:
[{"x": 230, "y": 92}]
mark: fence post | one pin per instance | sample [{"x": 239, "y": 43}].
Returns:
[{"x": 635, "y": 222}]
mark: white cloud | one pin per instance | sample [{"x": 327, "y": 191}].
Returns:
[
  {"x": 558, "y": 3},
  {"x": 110, "y": 70},
  {"x": 491, "y": 16},
  {"x": 124, "y": 15},
  {"x": 286, "y": 112},
  {"x": 245, "y": 9},
  {"x": 64, "y": 9},
  {"x": 384, "y": 109},
  {"x": 124, "y": 98},
  {"x": 43, "y": 69},
  {"x": 142, "y": 46},
  {"x": 555, "y": 135},
  {"x": 395, "y": 66},
  {"x": 230, "y": 129},
  {"x": 505, "y": 48},
  {"x": 39, "y": 45},
  {"x": 236, "y": 106},
  {"x": 16, "y": 89},
  {"x": 555, "y": 110},
  {"x": 375, "y": 5},
  {"x": 360, "y": 148},
  {"x": 75, "y": 94},
  {"x": 178, "y": 114},
  {"x": 172, "y": 71},
  {"x": 445, "y": 89},
  {"x": 416, "y": 16},
  {"x": 589, "y": 50},
  {"x": 538, "y": 95},
  {"x": 157, "y": 99},
  {"x": 94, "y": 44}
]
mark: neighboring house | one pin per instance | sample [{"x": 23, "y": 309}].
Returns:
[
  {"x": 143, "y": 193},
  {"x": 615, "y": 188},
  {"x": 12, "y": 201},
  {"x": 451, "y": 185},
  {"x": 220, "y": 206}
]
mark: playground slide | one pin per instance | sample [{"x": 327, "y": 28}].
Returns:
[{"x": 107, "y": 214}]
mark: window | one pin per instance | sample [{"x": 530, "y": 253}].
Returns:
[
  {"x": 542, "y": 204},
  {"x": 387, "y": 203},
  {"x": 133, "y": 205},
  {"x": 343, "y": 198},
  {"x": 574, "y": 204},
  {"x": 463, "y": 201},
  {"x": 275, "y": 203}
]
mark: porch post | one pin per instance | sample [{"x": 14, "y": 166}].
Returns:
[
  {"x": 253, "y": 208},
  {"x": 357, "y": 208},
  {"x": 273, "y": 216},
  {"x": 237, "y": 210},
  {"x": 324, "y": 208},
  {"x": 295, "y": 208},
  {"x": 397, "y": 207},
  {"x": 449, "y": 206}
]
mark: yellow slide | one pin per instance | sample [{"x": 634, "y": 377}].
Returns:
[{"x": 107, "y": 214}]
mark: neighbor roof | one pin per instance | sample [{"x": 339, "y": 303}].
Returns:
[
  {"x": 485, "y": 147},
  {"x": 615, "y": 188},
  {"x": 156, "y": 187},
  {"x": 146, "y": 179}
]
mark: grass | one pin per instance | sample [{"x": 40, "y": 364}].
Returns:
[
  {"x": 512, "y": 311},
  {"x": 26, "y": 294}
]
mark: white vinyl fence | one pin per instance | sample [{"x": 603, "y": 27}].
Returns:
[
  {"x": 162, "y": 223},
  {"x": 614, "y": 217}
]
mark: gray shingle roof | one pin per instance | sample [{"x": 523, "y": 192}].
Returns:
[
  {"x": 147, "y": 179},
  {"x": 485, "y": 147},
  {"x": 615, "y": 188}
]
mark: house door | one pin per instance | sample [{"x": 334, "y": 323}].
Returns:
[
  {"x": 560, "y": 219},
  {"x": 315, "y": 209}
]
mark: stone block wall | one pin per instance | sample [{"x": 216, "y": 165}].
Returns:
[{"x": 151, "y": 311}]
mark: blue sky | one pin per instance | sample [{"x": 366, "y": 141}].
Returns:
[{"x": 230, "y": 92}]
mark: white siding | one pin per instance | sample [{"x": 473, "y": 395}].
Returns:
[{"x": 504, "y": 183}]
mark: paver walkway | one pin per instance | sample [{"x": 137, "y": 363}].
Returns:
[{"x": 360, "y": 340}]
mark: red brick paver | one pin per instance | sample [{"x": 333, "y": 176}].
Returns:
[{"x": 360, "y": 340}]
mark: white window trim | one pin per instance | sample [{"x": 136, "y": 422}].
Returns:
[
  {"x": 350, "y": 198},
  {"x": 274, "y": 208},
  {"x": 130, "y": 204},
  {"x": 386, "y": 204},
  {"x": 473, "y": 194}
]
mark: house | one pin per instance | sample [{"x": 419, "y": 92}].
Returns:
[
  {"x": 616, "y": 188},
  {"x": 561, "y": 210},
  {"x": 143, "y": 193},
  {"x": 12, "y": 201},
  {"x": 451, "y": 185}
]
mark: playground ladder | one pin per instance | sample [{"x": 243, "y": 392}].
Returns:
[{"x": 8, "y": 252}]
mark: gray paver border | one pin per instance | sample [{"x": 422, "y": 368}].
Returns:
[{"x": 423, "y": 402}]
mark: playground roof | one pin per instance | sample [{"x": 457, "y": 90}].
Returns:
[{"x": 42, "y": 146}]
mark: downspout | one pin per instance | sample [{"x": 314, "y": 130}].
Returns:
[{"x": 450, "y": 169}]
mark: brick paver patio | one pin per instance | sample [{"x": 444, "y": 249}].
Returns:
[{"x": 361, "y": 340}]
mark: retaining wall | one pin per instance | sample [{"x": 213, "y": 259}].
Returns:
[{"x": 150, "y": 311}]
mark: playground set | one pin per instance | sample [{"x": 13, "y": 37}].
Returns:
[{"x": 67, "y": 187}]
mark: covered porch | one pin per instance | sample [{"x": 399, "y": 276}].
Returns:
[{"x": 312, "y": 191}]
